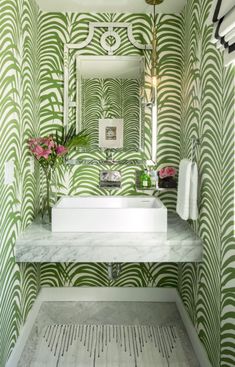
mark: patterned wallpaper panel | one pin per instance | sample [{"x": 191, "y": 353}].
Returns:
[
  {"x": 57, "y": 29},
  {"x": 195, "y": 97},
  {"x": 111, "y": 98},
  {"x": 19, "y": 112},
  {"x": 208, "y": 112}
]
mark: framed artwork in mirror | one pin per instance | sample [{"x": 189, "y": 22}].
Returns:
[{"x": 111, "y": 133}]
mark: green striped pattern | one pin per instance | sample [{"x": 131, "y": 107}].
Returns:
[
  {"x": 195, "y": 97},
  {"x": 114, "y": 99},
  {"x": 95, "y": 275},
  {"x": 20, "y": 30},
  {"x": 19, "y": 111},
  {"x": 208, "y": 112},
  {"x": 57, "y": 28}
]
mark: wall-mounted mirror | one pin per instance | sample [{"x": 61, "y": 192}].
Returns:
[{"x": 110, "y": 101}]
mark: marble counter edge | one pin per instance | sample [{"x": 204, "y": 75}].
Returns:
[
  {"x": 91, "y": 247},
  {"x": 149, "y": 254}
]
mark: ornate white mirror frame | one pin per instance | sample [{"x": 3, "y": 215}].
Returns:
[{"x": 110, "y": 50}]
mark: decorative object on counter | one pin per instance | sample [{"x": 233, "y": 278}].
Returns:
[
  {"x": 110, "y": 179},
  {"x": 145, "y": 180},
  {"x": 111, "y": 133},
  {"x": 49, "y": 152},
  {"x": 167, "y": 178},
  {"x": 153, "y": 176}
]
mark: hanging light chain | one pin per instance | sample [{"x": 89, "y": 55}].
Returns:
[{"x": 154, "y": 46}]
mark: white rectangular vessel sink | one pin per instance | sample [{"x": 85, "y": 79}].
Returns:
[{"x": 109, "y": 214}]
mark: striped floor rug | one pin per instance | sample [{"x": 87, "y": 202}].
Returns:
[{"x": 109, "y": 346}]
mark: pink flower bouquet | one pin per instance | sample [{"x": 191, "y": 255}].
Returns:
[
  {"x": 167, "y": 172},
  {"x": 49, "y": 152},
  {"x": 167, "y": 177}
]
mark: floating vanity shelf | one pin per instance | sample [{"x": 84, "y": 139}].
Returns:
[{"x": 179, "y": 244}]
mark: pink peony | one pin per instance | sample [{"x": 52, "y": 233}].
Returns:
[{"x": 61, "y": 150}]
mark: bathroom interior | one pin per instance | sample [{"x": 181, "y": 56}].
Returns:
[{"x": 117, "y": 189}]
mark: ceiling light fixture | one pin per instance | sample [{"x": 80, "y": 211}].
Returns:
[
  {"x": 154, "y": 79},
  {"x": 154, "y": 56}
]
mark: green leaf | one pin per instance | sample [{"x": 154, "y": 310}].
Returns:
[{"x": 80, "y": 139}]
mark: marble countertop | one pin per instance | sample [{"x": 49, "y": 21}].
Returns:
[{"x": 179, "y": 244}]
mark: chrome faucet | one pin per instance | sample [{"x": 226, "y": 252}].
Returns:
[{"x": 110, "y": 179}]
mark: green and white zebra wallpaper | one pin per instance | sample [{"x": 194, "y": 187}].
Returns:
[
  {"x": 57, "y": 29},
  {"x": 208, "y": 112},
  {"x": 19, "y": 119},
  {"x": 107, "y": 99},
  {"x": 195, "y": 97}
]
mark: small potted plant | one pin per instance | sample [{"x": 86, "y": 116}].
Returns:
[
  {"x": 167, "y": 178},
  {"x": 49, "y": 151}
]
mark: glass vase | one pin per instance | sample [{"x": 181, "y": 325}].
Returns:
[{"x": 50, "y": 196}]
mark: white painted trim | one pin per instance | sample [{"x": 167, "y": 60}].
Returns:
[
  {"x": 110, "y": 26},
  {"x": 192, "y": 333},
  {"x": 78, "y": 46},
  {"x": 99, "y": 294}
]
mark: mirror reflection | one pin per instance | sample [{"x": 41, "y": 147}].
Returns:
[{"x": 110, "y": 101}]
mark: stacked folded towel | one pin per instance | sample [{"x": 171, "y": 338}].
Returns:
[{"x": 187, "y": 207}]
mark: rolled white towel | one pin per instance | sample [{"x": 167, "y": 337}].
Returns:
[{"x": 187, "y": 190}]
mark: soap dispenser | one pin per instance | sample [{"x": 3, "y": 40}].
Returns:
[{"x": 145, "y": 180}]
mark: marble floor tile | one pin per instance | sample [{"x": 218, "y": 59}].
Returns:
[{"x": 104, "y": 313}]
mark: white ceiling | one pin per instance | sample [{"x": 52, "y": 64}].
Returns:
[{"x": 112, "y": 6}]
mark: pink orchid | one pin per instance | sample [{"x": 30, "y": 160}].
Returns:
[{"x": 61, "y": 150}]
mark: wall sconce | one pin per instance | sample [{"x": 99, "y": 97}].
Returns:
[
  {"x": 154, "y": 56},
  {"x": 154, "y": 79}
]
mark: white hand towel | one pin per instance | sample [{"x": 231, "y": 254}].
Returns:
[
  {"x": 187, "y": 190},
  {"x": 193, "y": 208},
  {"x": 184, "y": 188}
]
